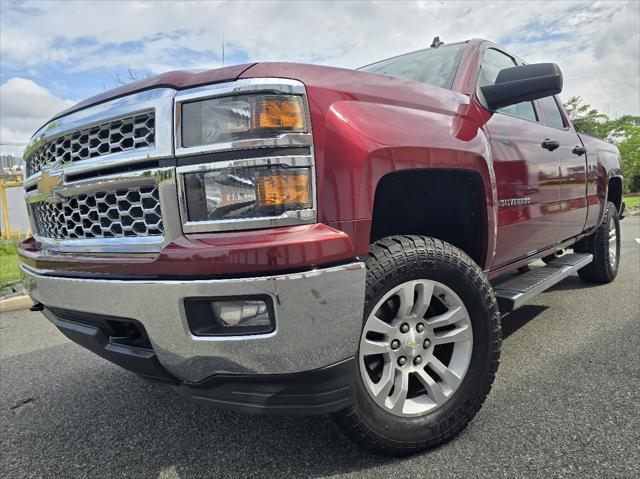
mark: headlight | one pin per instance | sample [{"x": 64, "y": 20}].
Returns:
[
  {"x": 235, "y": 193},
  {"x": 245, "y": 155},
  {"x": 233, "y": 118}
]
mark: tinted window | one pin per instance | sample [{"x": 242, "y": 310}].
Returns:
[
  {"x": 552, "y": 112},
  {"x": 492, "y": 62},
  {"x": 435, "y": 66}
]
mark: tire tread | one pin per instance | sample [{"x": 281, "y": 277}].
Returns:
[
  {"x": 399, "y": 254},
  {"x": 597, "y": 244}
]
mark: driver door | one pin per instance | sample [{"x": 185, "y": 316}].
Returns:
[{"x": 527, "y": 173}]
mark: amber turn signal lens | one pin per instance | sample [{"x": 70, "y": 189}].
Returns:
[
  {"x": 279, "y": 112},
  {"x": 285, "y": 189}
]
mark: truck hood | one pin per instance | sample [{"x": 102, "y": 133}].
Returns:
[
  {"x": 177, "y": 80},
  {"x": 330, "y": 84},
  {"x": 346, "y": 84}
]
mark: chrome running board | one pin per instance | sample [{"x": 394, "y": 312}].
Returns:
[{"x": 514, "y": 292}]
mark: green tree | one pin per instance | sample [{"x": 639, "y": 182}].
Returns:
[
  {"x": 630, "y": 152},
  {"x": 624, "y": 132},
  {"x": 587, "y": 119}
]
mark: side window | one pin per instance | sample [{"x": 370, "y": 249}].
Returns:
[
  {"x": 552, "y": 112},
  {"x": 492, "y": 62}
]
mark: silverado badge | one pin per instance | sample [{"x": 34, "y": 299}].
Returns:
[{"x": 515, "y": 202}]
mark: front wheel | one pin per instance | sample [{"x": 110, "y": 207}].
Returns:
[
  {"x": 604, "y": 245},
  {"x": 429, "y": 347}
]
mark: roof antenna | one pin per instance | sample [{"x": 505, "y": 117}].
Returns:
[{"x": 436, "y": 42}]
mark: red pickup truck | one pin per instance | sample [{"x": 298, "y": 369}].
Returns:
[{"x": 299, "y": 239}]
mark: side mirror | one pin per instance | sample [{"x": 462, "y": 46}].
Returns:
[{"x": 523, "y": 83}]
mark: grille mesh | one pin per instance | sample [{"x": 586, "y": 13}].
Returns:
[
  {"x": 115, "y": 214},
  {"x": 122, "y": 134}
]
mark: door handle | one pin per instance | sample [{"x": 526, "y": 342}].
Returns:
[
  {"x": 579, "y": 150},
  {"x": 550, "y": 144}
]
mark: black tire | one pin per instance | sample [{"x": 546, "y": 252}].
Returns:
[
  {"x": 603, "y": 269},
  {"x": 391, "y": 262}
]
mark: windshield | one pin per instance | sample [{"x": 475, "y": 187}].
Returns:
[{"x": 435, "y": 66}]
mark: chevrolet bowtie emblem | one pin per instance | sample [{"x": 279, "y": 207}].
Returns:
[{"x": 48, "y": 182}]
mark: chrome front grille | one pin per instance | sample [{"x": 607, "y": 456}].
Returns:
[
  {"x": 94, "y": 181},
  {"x": 118, "y": 135},
  {"x": 131, "y": 212}
]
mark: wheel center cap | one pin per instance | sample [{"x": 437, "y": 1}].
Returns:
[{"x": 411, "y": 345}]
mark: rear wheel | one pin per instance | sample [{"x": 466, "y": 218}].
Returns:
[
  {"x": 429, "y": 347},
  {"x": 604, "y": 245}
]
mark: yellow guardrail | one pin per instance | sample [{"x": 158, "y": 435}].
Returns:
[{"x": 8, "y": 181}]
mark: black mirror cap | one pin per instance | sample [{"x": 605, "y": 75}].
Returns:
[{"x": 523, "y": 83}]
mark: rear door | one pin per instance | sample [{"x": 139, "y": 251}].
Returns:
[
  {"x": 527, "y": 172},
  {"x": 572, "y": 157}
]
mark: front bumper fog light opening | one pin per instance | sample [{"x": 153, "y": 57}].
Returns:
[
  {"x": 229, "y": 316},
  {"x": 241, "y": 313}
]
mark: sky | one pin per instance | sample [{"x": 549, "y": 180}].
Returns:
[{"x": 53, "y": 54}]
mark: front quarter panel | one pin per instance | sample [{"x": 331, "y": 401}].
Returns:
[{"x": 363, "y": 141}]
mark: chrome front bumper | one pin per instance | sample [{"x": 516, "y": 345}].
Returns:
[{"x": 318, "y": 316}]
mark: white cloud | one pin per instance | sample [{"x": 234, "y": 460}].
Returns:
[
  {"x": 343, "y": 33},
  {"x": 599, "y": 52},
  {"x": 24, "y": 107},
  {"x": 596, "y": 44}
]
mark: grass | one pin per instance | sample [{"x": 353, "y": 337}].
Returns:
[
  {"x": 9, "y": 271},
  {"x": 632, "y": 201}
]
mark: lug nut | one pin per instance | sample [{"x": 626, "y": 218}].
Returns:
[
  {"x": 404, "y": 328},
  {"x": 420, "y": 327},
  {"x": 402, "y": 361},
  {"x": 417, "y": 360},
  {"x": 395, "y": 344},
  {"x": 426, "y": 344}
]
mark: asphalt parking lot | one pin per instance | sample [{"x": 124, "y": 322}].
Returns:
[{"x": 565, "y": 404}]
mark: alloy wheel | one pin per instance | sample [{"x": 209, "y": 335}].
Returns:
[
  {"x": 613, "y": 244},
  {"x": 415, "y": 348}
]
